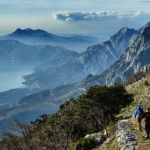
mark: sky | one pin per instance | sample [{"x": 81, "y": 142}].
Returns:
[{"x": 88, "y": 17}]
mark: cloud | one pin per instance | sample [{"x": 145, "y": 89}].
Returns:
[
  {"x": 95, "y": 16},
  {"x": 79, "y": 16}
]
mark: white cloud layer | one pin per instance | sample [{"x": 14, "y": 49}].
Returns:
[
  {"x": 96, "y": 16},
  {"x": 74, "y": 16}
]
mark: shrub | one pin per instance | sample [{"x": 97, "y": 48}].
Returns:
[
  {"x": 86, "y": 143},
  {"x": 146, "y": 83}
]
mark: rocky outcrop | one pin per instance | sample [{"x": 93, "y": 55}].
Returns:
[
  {"x": 134, "y": 58},
  {"x": 127, "y": 140},
  {"x": 99, "y": 137}
]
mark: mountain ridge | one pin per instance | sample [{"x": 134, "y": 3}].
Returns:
[
  {"x": 41, "y": 37},
  {"x": 13, "y": 51},
  {"x": 30, "y": 32},
  {"x": 93, "y": 61}
]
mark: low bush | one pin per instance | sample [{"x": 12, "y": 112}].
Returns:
[{"x": 86, "y": 144}]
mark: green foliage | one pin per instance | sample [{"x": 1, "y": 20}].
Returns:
[
  {"x": 86, "y": 144},
  {"x": 111, "y": 99},
  {"x": 146, "y": 83},
  {"x": 89, "y": 113}
]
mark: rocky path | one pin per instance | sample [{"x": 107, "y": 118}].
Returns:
[
  {"x": 126, "y": 139},
  {"x": 126, "y": 136}
]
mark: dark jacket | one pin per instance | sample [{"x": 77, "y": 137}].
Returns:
[{"x": 147, "y": 118}]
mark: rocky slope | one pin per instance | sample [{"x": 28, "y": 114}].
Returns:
[
  {"x": 126, "y": 135},
  {"x": 135, "y": 58},
  {"x": 93, "y": 61}
]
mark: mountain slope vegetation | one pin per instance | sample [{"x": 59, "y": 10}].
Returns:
[{"x": 88, "y": 113}]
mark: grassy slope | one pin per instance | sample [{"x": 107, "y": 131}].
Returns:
[{"x": 141, "y": 94}]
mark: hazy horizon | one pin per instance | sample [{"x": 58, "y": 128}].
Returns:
[{"x": 73, "y": 17}]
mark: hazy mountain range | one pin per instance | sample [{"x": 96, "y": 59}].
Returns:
[
  {"x": 40, "y": 37},
  {"x": 14, "y": 53},
  {"x": 129, "y": 51},
  {"x": 135, "y": 57},
  {"x": 93, "y": 61},
  {"x": 55, "y": 65}
]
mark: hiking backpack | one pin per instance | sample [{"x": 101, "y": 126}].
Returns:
[{"x": 140, "y": 114}]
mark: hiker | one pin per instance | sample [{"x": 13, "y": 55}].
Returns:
[
  {"x": 139, "y": 114},
  {"x": 147, "y": 122}
]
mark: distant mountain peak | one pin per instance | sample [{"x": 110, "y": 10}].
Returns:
[
  {"x": 146, "y": 30},
  {"x": 28, "y": 32},
  {"x": 146, "y": 25},
  {"x": 18, "y": 29},
  {"x": 123, "y": 31},
  {"x": 19, "y": 32}
]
